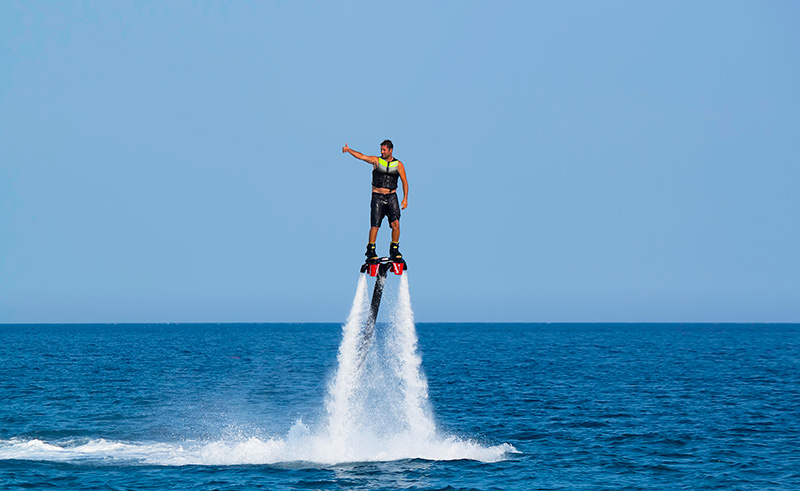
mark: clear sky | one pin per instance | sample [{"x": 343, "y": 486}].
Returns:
[{"x": 568, "y": 161}]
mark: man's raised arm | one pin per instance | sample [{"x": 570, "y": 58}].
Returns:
[{"x": 370, "y": 159}]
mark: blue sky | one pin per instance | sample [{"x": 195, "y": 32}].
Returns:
[{"x": 568, "y": 161}]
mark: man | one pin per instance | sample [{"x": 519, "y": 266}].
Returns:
[{"x": 385, "y": 171}]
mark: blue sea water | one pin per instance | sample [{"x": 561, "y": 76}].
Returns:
[{"x": 515, "y": 407}]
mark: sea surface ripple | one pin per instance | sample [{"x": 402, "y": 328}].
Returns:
[{"x": 560, "y": 406}]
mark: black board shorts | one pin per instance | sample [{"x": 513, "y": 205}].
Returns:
[{"x": 383, "y": 205}]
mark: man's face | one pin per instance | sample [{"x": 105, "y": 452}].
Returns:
[{"x": 385, "y": 152}]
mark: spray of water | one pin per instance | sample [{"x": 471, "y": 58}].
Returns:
[
  {"x": 341, "y": 392},
  {"x": 379, "y": 409},
  {"x": 408, "y": 367},
  {"x": 381, "y": 405}
]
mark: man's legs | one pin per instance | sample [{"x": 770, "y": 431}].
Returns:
[{"x": 394, "y": 251}]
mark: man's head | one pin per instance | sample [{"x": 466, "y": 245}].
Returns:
[{"x": 386, "y": 149}]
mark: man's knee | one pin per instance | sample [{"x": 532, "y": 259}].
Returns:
[{"x": 395, "y": 225}]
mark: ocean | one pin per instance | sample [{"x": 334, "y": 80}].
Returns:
[{"x": 483, "y": 406}]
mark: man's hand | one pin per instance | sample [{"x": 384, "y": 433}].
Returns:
[
  {"x": 404, "y": 204},
  {"x": 345, "y": 148}
]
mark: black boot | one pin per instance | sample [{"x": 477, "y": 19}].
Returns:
[
  {"x": 394, "y": 251},
  {"x": 371, "y": 251}
]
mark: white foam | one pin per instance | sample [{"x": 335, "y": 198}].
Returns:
[
  {"x": 82, "y": 450},
  {"x": 251, "y": 451}
]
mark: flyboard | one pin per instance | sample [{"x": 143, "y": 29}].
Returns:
[{"x": 378, "y": 268}]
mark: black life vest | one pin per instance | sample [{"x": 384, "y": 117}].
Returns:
[{"x": 385, "y": 174}]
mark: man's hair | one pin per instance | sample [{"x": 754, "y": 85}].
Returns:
[{"x": 387, "y": 144}]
